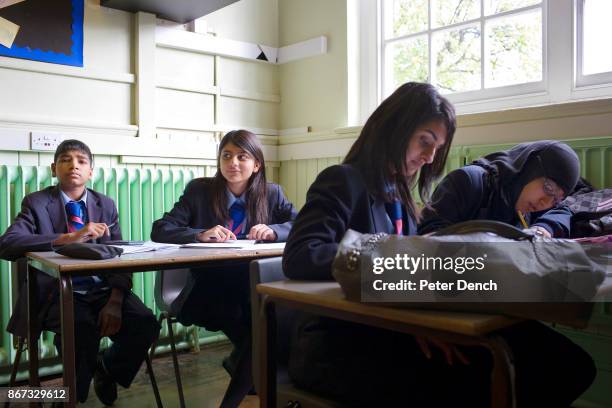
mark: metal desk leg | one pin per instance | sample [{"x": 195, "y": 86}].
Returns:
[
  {"x": 267, "y": 333},
  {"x": 503, "y": 389},
  {"x": 33, "y": 325},
  {"x": 68, "y": 350}
]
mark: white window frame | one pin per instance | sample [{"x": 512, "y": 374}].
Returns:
[
  {"x": 559, "y": 77},
  {"x": 483, "y": 93},
  {"x": 583, "y": 80}
]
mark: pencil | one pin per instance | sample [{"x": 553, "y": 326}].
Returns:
[{"x": 520, "y": 214}]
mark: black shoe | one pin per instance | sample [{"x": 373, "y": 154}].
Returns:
[{"x": 104, "y": 385}]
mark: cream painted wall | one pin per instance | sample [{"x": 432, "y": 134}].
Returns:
[
  {"x": 34, "y": 96},
  {"x": 247, "y": 20},
  {"x": 108, "y": 38},
  {"x": 314, "y": 90},
  {"x": 186, "y": 99}
]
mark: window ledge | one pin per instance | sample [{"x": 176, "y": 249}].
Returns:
[{"x": 559, "y": 110}]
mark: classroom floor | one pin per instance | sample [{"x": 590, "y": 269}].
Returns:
[{"x": 204, "y": 382}]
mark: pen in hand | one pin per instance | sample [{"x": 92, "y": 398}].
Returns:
[{"x": 109, "y": 226}]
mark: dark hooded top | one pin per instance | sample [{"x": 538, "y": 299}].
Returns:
[{"x": 490, "y": 187}]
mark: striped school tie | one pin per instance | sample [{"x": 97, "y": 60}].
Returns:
[
  {"x": 395, "y": 212},
  {"x": 237, "y": 214},
  {"x": 75, "y": 211}
]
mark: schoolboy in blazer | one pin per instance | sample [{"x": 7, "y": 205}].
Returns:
[{"x": 103, "y": 305}]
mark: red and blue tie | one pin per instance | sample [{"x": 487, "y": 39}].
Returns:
[
  {"x": 237, "y": 214},
  {"x": 74, "y": 212},
  {"x": 395, "y": 212}
]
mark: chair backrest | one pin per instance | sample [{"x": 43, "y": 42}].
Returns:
[
  {"x": 168, "y": 286},
  {"x": 261, "y": 271},
  {"x": 271, "y": 270}
]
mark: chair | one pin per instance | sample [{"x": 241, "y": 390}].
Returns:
[
  {"x": 18, "y": 279},
  {"x": 287, "y": 396},
  {"x": 168, "y": 286}
]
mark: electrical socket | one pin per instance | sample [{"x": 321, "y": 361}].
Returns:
[{"x": 45, "y": 141}]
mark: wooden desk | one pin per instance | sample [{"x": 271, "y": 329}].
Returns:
[
  {"x": 64, "y": 268},
  {"x": 327, "y": 299}
]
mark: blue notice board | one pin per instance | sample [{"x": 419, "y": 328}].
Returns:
[{"x": 49, "y": 31}]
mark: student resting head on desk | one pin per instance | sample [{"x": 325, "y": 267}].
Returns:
[
  {"x": 509, "y": 186},
  {"x": 104, "y": 305},
  {"x": 236, "y": 203},
  {"x": 404, "y": 142}
]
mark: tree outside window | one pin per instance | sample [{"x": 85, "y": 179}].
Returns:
[{"x": 462, "y": 45}]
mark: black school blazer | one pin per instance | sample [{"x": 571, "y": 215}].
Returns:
[{"x": 192, "y": 214}]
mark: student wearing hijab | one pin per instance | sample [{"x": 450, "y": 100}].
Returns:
[{"x": 517, "y": 186}]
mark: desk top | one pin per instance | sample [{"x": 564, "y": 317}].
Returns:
[
  {"x": 329, "y": 295},
  {"x": 54, "y": 263}
]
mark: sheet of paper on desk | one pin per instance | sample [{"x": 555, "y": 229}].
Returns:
[
  {"x": 242, "y": 243},
  {"x": 148, "y": 246},
  {"x": 8, "y": 32},
  {"x": 270, "y": 245}
]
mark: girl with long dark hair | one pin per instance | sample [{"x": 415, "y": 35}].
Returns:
[{"x": 237, "y": 202}]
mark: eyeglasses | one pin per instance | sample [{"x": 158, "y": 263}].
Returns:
[{"x": 551, "y": 189}]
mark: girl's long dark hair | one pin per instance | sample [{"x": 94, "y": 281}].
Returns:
[
  {"x": 256, "y": 194},
  {"x": 380, "y": 150}
]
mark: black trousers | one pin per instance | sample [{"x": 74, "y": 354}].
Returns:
[
  {"x": 365, "y": 366},
  {"x": 139, "y": 328},
  {"x": 218, "y": 299}
]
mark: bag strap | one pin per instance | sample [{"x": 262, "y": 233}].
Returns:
[{"x": 500, "y": 228}]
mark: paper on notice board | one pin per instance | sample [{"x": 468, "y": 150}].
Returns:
[
  {"x": 8, "y": 32},
  {"x": 6, "y": 3}
]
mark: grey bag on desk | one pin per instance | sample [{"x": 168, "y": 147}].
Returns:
[
  {"x": 89, "y": 251},
  {"x": 545, "y": 279}
]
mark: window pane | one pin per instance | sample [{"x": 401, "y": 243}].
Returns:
[
  {"x": 457, "y": 59},
  {"x": 499, "y": 6},
  {"x": 408, "y": 61},
  {"x": 446, "y": 12},
  {"x": 513, "y": 49},
  {"x": 597, "y": 32},
  {"x": 409, "y": 16}
]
